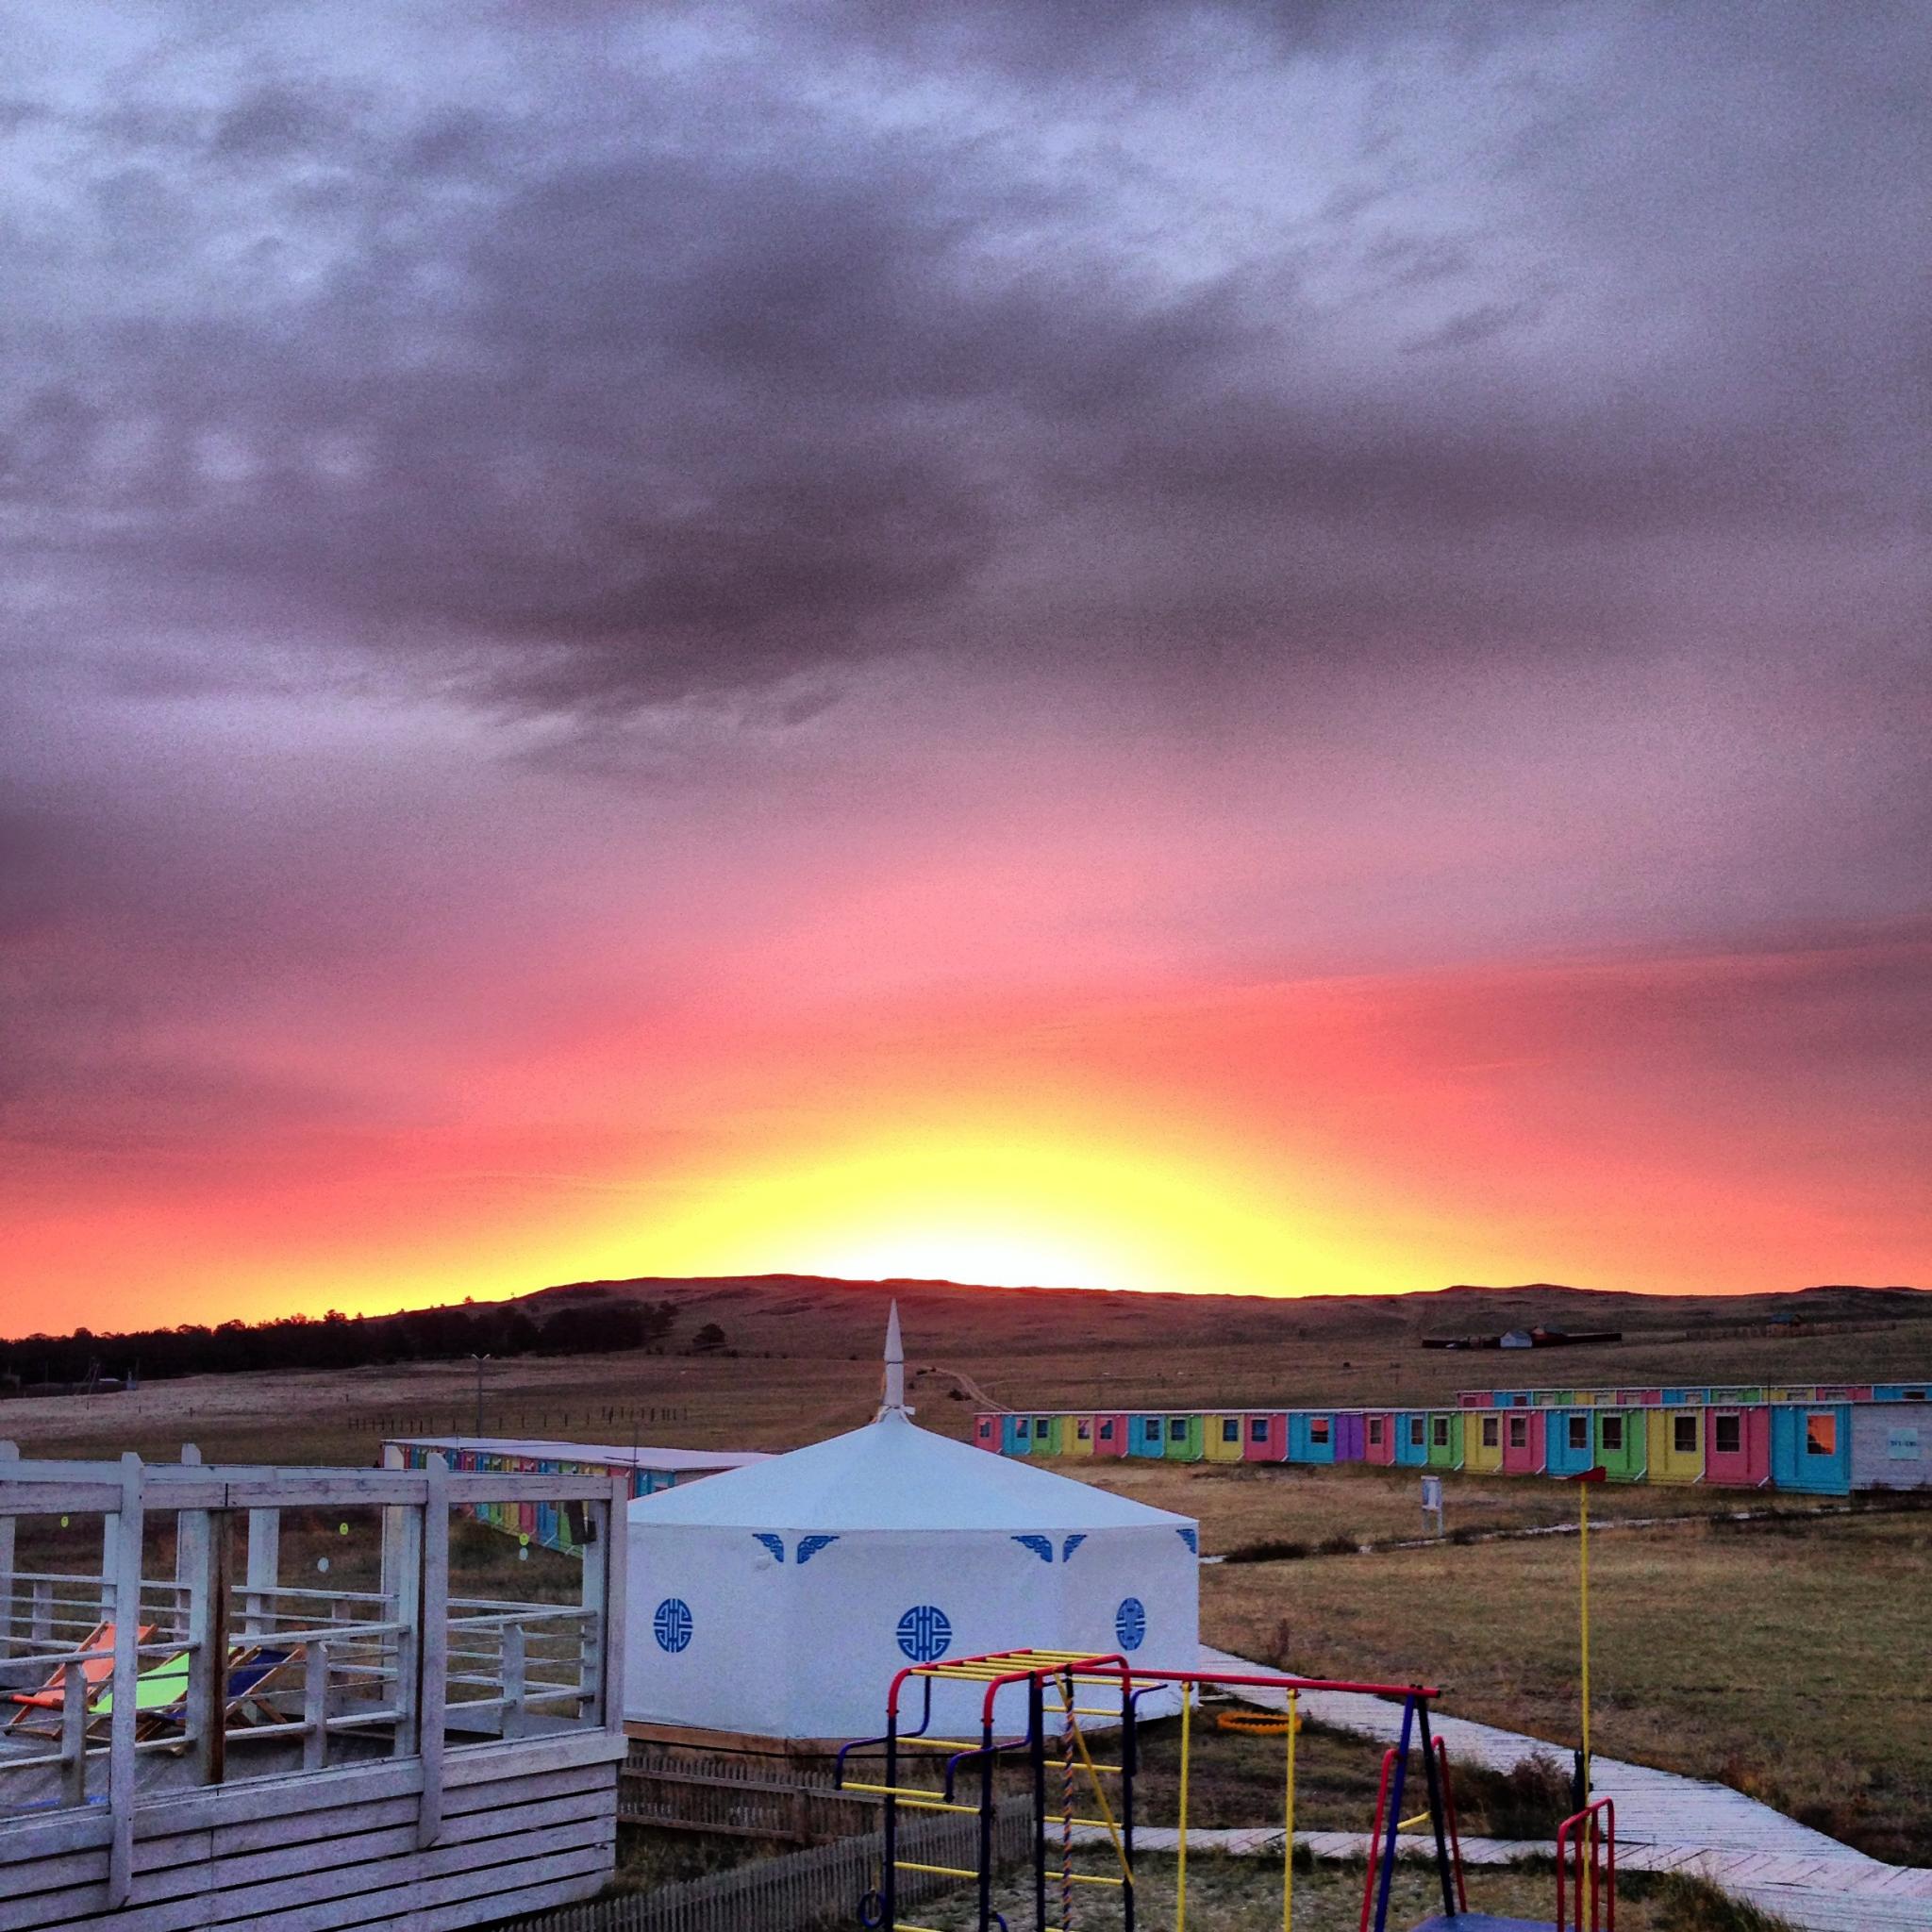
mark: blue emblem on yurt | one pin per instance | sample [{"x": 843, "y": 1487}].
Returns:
[
  {"x": 672, "y": 1624},
  {"x": 1130, "y": 1623},
  {"x": 924, "y": 1633}
]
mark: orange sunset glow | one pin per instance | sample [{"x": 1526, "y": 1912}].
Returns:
[{"x": 895, "y": 651}]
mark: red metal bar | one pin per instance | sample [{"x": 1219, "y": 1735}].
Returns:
[
  {"x": 1388, "y": 1757},
  {"x": 1454, "y": 1828},
  {"x": 1594, "y": 1826},
  {"x": 1115, "y": 1662}
]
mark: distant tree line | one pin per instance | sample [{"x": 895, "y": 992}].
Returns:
[{"x": 336, "y": 1340}]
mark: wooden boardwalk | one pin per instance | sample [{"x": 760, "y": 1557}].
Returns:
[{"x": 1664, "y": 1823}]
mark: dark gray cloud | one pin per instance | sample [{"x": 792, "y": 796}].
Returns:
[{"x": 686, "y": 361}]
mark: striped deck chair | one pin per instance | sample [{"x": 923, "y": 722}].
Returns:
[{"x": 37, "y": 1712}]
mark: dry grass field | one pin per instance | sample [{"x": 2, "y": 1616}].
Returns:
[
  {"x": 1785, "y": 1657},
  {"x": 806, "y": 1364},
  {"x": 1245, "y": 1896}
]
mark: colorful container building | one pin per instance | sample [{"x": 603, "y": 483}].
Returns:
[
  {"x": 1482, "y": 1439},
  {"x": 1445, "y": 1438},
  {"x": 1674, "y": 1444},
  {"x": 1811, "y": 1439},
  {"x": 1523, "y": 1444}
]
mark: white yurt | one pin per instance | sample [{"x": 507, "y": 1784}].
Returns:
[{"x": 780, "y": 1600}]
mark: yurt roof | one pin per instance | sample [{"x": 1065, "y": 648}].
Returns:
[{"x": 894, "y": 1475}]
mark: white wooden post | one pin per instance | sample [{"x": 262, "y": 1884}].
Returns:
[
  {"x": 596, "y": 1568},
  {"x": 403, "y": 1607},
  {"x": 104, "y": 1597},
  {"x": 121, "y": 1763},
  {"x": 616, "y": 1576},
  {"x": 514, "y": 1680},
  {"x": 264, "y": 1570},
  {"x": 191, "y": 1561},
  {"x": 9, "y": 1453},
  {"x": 208, "y": 1663},
  {"x": 395, "y": 1528},
  {"x": 433, "y": 1648},
  {"x": 315, "y": 1708},
  {"x": 74, "y": 1735}
]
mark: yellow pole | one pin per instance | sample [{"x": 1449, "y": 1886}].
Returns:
[
  {"x": 1583, "y": 1542},
  {"x": 1180, "y": 1869},
  {"x": 1287, "y": 1828}
]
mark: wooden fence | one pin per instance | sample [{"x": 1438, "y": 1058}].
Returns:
[
  {"x": 801, "y": 1889},
  {"x": 674, "y": 1787}
]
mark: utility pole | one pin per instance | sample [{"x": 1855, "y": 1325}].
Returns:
[{"x": 479, "y": 1360}]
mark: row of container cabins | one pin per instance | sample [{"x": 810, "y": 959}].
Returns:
[
  {"x": 1822, "y": 1440},
  {"x": 558, "y": 1525}
]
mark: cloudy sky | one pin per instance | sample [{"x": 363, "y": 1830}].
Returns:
[{"x": 1270, "y": 646}]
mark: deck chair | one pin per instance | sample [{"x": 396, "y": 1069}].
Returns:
[
  {"x": 37, "y": 1712},
  {"x": 160, "y": 1693}
]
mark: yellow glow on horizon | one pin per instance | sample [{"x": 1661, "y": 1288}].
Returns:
[{"x": 1009, "y": 1212}]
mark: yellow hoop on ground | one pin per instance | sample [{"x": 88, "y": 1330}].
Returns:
[{"x": 1257, "y": 1724}]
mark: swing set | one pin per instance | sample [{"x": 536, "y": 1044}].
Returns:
[{"x": 1073, "y": 1792}]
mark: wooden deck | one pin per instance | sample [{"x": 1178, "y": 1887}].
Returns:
[{"x": 424, "y": 1761}]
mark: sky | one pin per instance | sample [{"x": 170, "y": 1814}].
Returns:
[{"x": 1227, "y": 646}]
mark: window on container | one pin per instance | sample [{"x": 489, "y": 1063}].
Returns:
[
  {"x": 1318, "y": 1429},
  {"x": 1727, "y": 1434},
  {"x": 1415, "y": 1432},
  {"x": 1257, "y": 1429},
  {"x": 1684, "y": 1434},
  {"x": 1106, "y": 1432},
  {"x": 1579, "y": 1432},
  {"x": 1490, "y": 1431},
  {"x": 1177, "y": 1429},
  {"x": 1083, "y": 1431},
  {"x": 1519, "y": 1432},
  {"x": 1614, "y": 1432},
  {"x": 1040, "y": 1426},
  {"x": 1821, "y": 1434},
  {"x": 1442, "y": 1432},
  {"x": 1231, "y": 1430},
  {"x": 1020, "y": 1428},
  {"x": 1375, "y": 1430}
]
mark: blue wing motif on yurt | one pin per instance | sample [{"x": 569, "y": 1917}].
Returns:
[
  {"x": 1072, "y": 1543},
  {"x": 1042, "y": 1546},
  {"x": 775, "y": 1544},
  {"x": 1191, "y": 1539},
  {"x": 809, "y": 1546}
]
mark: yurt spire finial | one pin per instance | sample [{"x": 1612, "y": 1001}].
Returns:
[{"x": 894, "y": 1402}]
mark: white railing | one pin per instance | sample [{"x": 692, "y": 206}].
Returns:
[{"x": 247, "y": 1674}]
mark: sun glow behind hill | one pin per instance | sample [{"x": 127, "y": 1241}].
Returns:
[{"x": 1018, "y": 1212}]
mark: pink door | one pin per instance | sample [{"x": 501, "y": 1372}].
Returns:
[{"x": 1523, "y": 1443}]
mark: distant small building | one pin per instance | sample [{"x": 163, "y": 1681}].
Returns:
[{"x": 1517, "y": 1338}]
